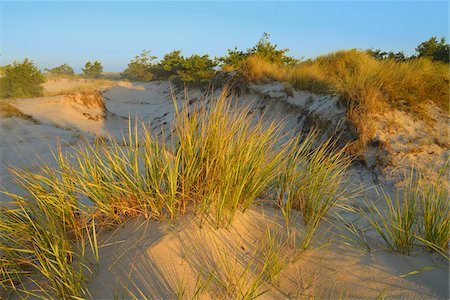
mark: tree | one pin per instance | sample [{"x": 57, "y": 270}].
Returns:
[
  {"x": 63, "y": 69},
  {"x": 22, "y": 79},
  {"x": 140, "y": 68},
  {"x": 438, "y": 51},
  {"x": 92, "y": 70}
]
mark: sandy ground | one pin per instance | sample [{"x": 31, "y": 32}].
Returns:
[{"x": 163, "y": 260}]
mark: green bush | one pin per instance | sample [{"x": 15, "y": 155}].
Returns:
[
  {"x": 170, "y": 64},
  {"x": 197, "y": 69},
  {"x": 92, "y": 70},
  {"x": 263, "y": 49},
  {"x": 22, "y": 79},
  {"x": 234, "y": 59},
  {"x": 63, "y": 69},
  {"x": 140, "y": 68}
]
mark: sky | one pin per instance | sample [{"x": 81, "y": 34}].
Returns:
[{"x": 53, "y": 33}]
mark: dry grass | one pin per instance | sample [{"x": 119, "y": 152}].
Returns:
[
  {"x": 368, "y": 86},
  {"x": 257, "y": 69}
]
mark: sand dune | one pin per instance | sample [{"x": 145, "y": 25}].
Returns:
[{"x": 165, "y": 260}]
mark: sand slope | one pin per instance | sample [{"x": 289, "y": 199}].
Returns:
[{"x": 161, "y": 261}]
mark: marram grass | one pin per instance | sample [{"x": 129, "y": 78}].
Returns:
[
  {"x": 419, "y": 214},
  {"x": 218, "y": 159}
]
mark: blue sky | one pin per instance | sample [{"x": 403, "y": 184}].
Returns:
[{"x": 53, "y": 33}]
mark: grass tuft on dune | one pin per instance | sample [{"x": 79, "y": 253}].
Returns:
[{"x": 219, "y": 159}]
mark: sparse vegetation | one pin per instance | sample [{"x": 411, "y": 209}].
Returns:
[{"x": 21, "y": 80}]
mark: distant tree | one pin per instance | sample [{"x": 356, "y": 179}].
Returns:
[
  {"x": 380, "y": 55},
  {"x": 92, "y": 70},
  {"x": 22, "y": 79},
  {"x": 399, "y": 56},
  {"x": 377, "y": 53},
  {"x": 140, "y": 68},
  {"x": 63, "y": 69},
  {"x": 436, "y": 50}
]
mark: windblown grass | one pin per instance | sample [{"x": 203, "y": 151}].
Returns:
[{"x": 218, "y": 159}]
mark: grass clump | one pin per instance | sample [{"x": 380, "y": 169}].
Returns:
[
  {"x": 313, "y": 182},
  {"x": 434, "y": 219},
  {"x": 218, "y": 160},
  {"x": 43, "y": 238},
  {"x": 397, "y": 225},
  {"x": 419, "y": 214}
]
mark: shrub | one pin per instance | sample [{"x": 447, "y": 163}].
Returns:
[
  {"x": 93, "y": 70},
  {"x": 233, "y": 60},
  {"x": 197, "y": 69},
  {"x": 22, "y": 79},
  {"x": 264, "y": 49},
  {"x": 170, "y": 65},
  {"x": 268, "y": 51},
  {"x": 140, "y": 68},
  {"x": 63, "y": 69}
]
